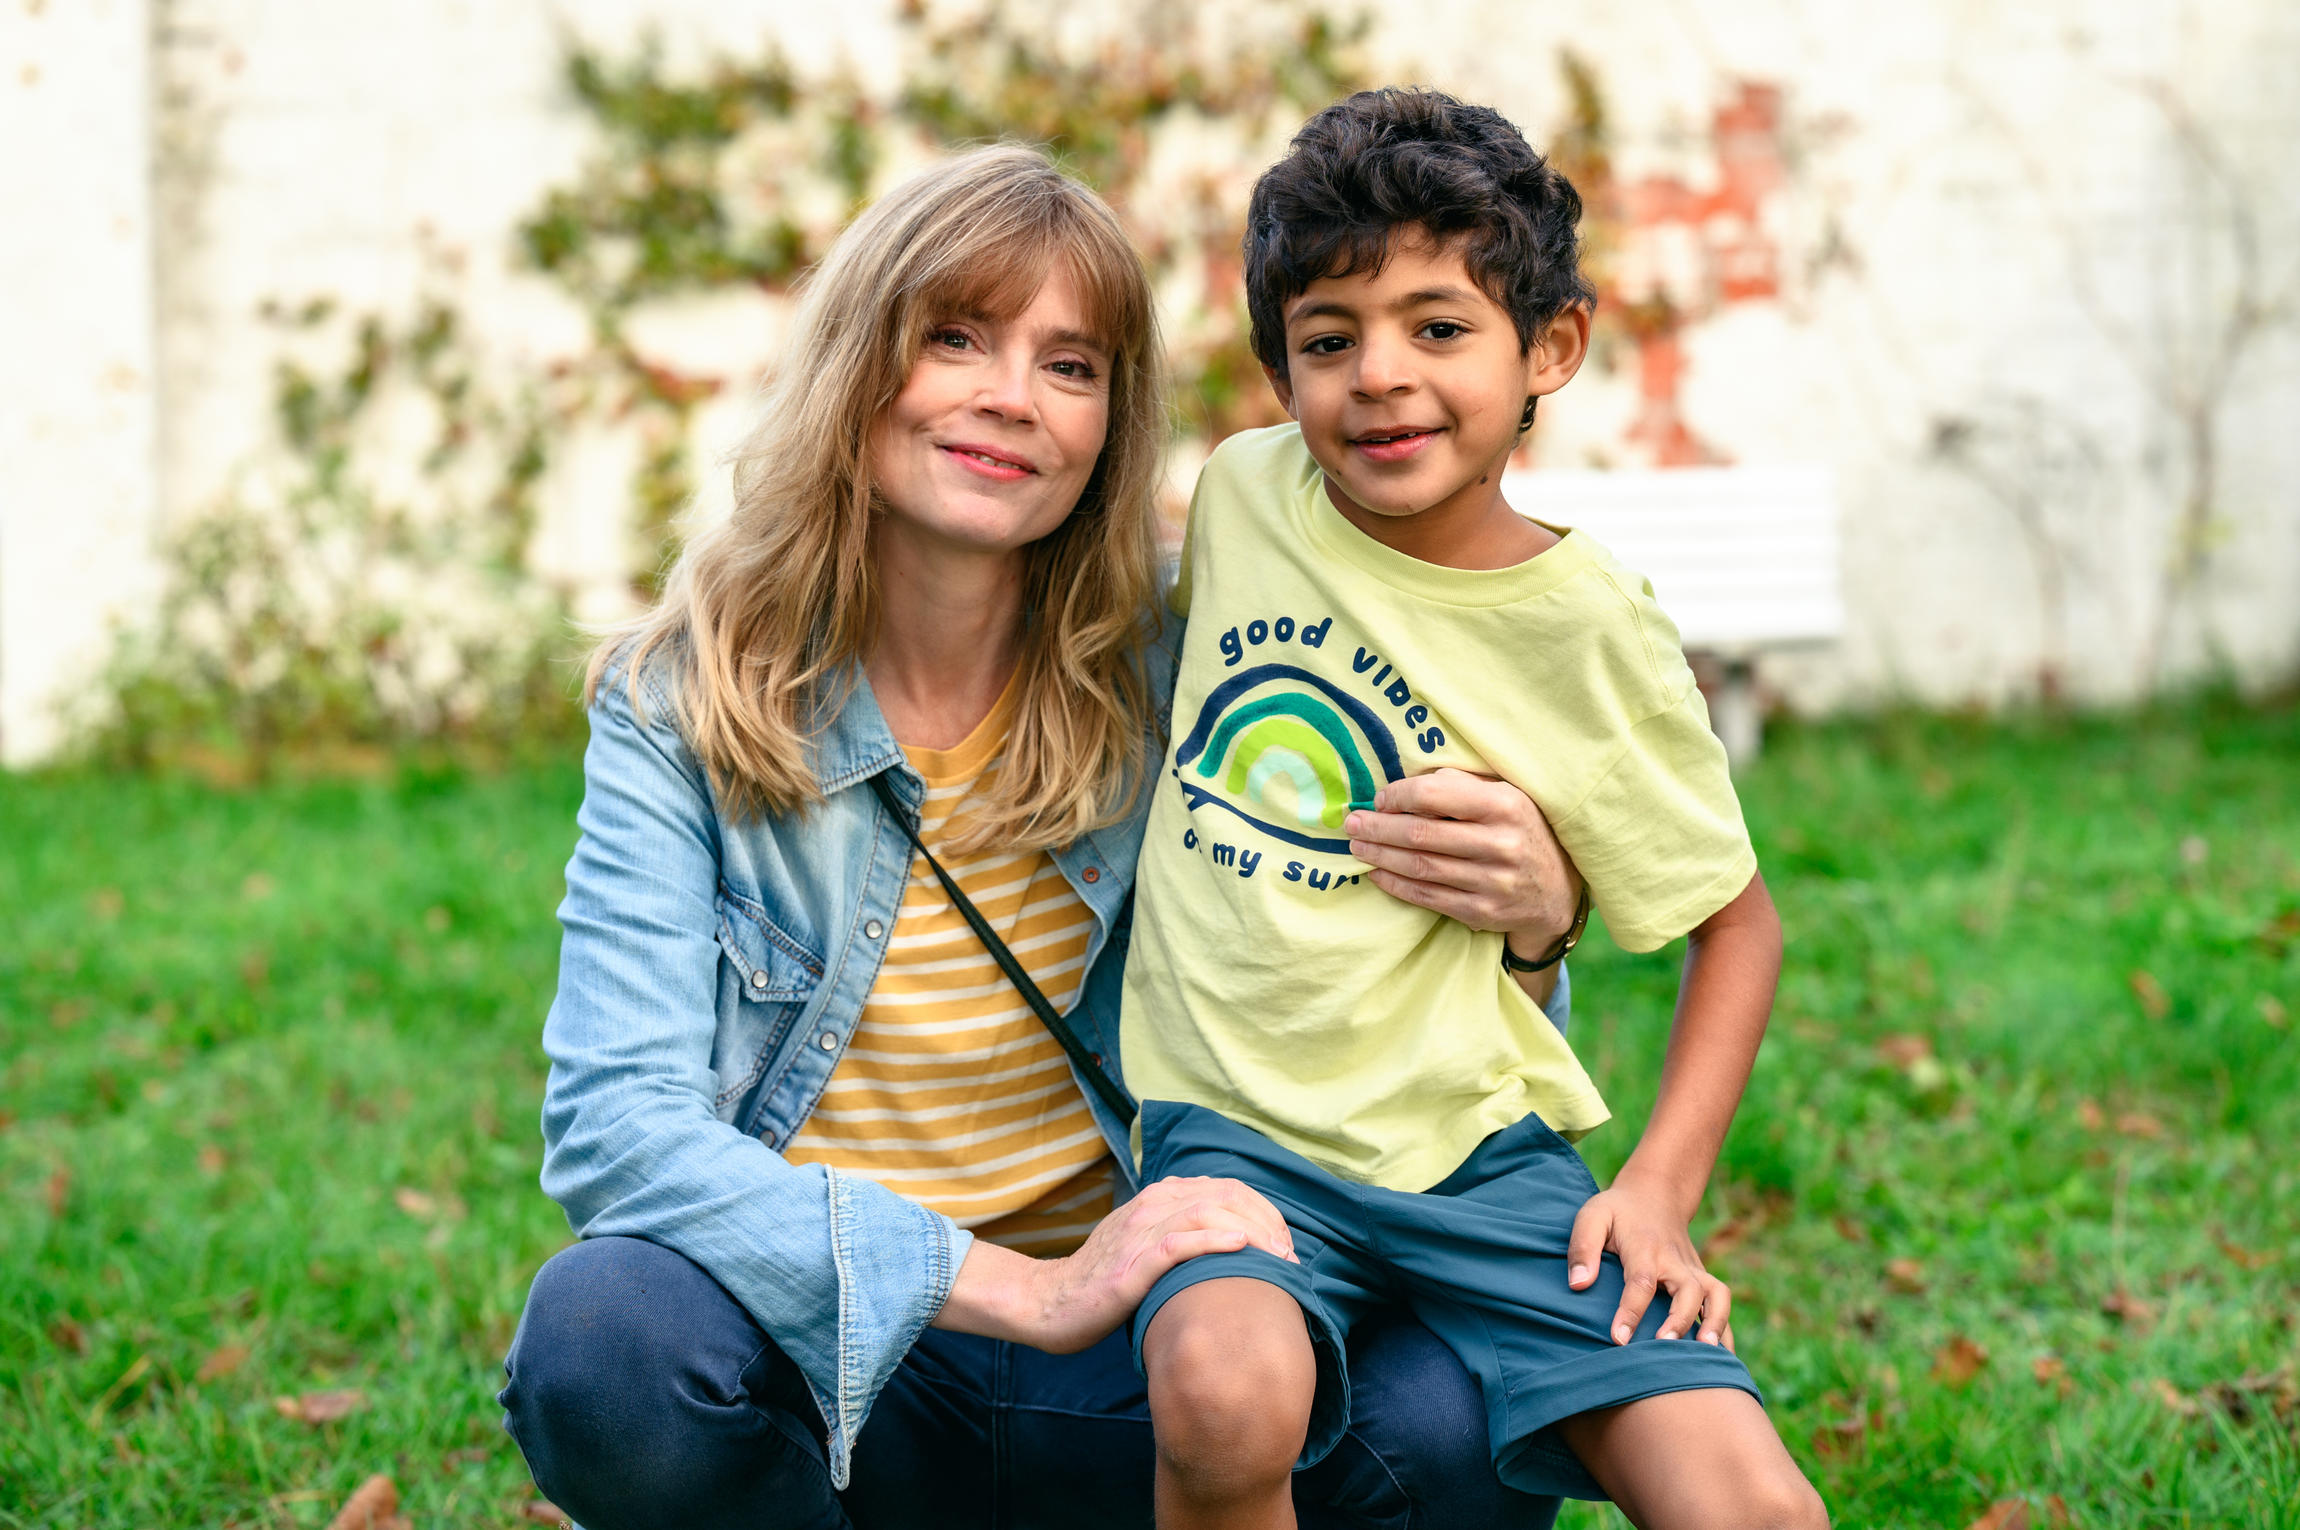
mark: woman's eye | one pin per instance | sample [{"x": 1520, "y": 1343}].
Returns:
[
  {"x": 1078, "y": 370},
  {"x": 953, "y": 339}
]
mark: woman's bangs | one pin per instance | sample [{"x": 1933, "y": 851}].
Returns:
[{"x": 998, "y": 279}]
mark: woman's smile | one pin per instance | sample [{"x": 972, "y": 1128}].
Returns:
[{"x": 990, "y": 462}]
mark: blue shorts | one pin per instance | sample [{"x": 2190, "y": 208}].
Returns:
[{"x": 1479, "y": 1258}]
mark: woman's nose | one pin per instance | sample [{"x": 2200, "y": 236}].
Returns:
[{"x": 1006, "y": 390}]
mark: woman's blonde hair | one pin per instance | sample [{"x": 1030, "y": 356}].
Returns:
[{"x": 763, "y": 615}]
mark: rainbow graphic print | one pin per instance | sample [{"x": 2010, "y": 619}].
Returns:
[{"x": 1288, "y": 752}]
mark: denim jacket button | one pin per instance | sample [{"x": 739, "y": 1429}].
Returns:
[
  {"x": 759, "y": 978},
  {"x": 873, "y": 930},
  {"x": 1092, "y": 873},
  {"x": 829, "y": 1040}
]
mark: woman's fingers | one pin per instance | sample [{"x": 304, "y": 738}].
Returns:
[{"x": 1454, "y": 794}]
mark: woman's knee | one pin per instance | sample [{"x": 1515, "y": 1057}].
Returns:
[
  {"x": 630, "y": 1383},
  {"x": 1231, "y": 1377}
]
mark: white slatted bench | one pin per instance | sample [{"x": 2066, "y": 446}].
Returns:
[{"x": 1742, "y": 558}]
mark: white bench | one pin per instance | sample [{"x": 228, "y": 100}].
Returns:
[{"x": 1742, "y": 558}]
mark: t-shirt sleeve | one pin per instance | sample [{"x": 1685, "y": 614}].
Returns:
[{"x": 1659, "y": 836}]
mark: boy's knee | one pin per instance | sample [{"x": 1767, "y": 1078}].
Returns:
[
  {"x": 1782, "y": 1500},
  {"x": 1232, "y": 1377}
]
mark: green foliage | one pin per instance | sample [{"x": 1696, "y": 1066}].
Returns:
[
  {"x": 324, "y": 611},
  {"x": 236, "y": 1025}
]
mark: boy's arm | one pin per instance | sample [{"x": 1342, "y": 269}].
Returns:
[{"x": 1732, "y": 962}]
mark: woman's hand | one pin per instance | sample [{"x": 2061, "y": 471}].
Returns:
[
  {"x": 1475, "y": 850},
  {"x": 1065, "y": 1305},
  {"x": 1641, "y": 1223}
]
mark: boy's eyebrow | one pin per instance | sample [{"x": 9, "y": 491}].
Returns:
[{"x": 1332, "y": 308}]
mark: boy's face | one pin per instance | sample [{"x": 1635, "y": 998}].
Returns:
[{"x": 1409, "y": 382}]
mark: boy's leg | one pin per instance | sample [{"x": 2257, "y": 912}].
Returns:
[
  {"x": 1707, "y": 1460},
  {"x": 1231, "y": 1378}
]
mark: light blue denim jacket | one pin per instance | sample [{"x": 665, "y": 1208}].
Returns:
[{"x": 710, "y": 975}]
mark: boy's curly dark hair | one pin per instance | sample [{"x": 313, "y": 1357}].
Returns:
[{"x": 1383, "y": 160}]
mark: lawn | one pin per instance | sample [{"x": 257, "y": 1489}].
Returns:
[{"x": 2012, "y": 1210}]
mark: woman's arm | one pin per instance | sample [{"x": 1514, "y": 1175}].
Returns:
[{"x": 843, "y": 1273}]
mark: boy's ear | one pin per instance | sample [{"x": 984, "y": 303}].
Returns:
[
  {"x": 1563, "y": 347},
  {"x": 1281, "y": 387}
]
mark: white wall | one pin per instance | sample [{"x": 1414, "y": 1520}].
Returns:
[
  {"x": 77, "y": 397},
  {"x": 1986, "y": 215}
]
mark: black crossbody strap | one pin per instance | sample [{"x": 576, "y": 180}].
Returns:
[{"x": 1113, "y": 1095}]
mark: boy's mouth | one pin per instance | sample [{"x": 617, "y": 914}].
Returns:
[{"x": 1393, "y": 445}]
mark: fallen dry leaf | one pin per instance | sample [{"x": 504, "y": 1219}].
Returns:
[
  {"x": 2139, "y": 1123},
  {"x": 1727, "y": 1237},
  {"x": 2130, "y": 1309},
  {"x": 2004, "y": 1514},
  {"x": 2175, "y": 1399},
  {"x": 2281, "y": 933},
  {"x": 2242, "y": 1257},
  {"x": 222, "y": 1361},
  {"x": 414, "y": 1202},
  {"x": 543, "y": 1512},
  {"x": 2154, "y": 1001},
  {"x": 2051, "y": 1372},
  {"x": 67, "y": 1334},
  {"x": 374, "y": 1505},
  {"x": 2090, "y": 1116},
  {"x": 1905, "y": 1276},
  {"x": 1957, "y": 1362},
  {"x": 2272, "y": 1010},
  {"x": 59, "y": 1193},
  {"x": 1904, "y": 1051},
  {"x": 320, "y": 1407},
  {"x": 211, "y": 1159},
  {"x": 1850, "y": 1230}
]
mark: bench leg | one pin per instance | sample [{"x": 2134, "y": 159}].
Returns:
[{"x": 1733, "y": 711}]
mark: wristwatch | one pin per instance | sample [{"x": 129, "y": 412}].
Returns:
[{"x": 1512, "y": 962}]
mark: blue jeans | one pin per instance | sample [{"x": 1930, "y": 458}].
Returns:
[{"x": 643, "y": 1395}]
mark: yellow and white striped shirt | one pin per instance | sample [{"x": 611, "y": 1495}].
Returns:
[{"x": 952, "y": 1092}]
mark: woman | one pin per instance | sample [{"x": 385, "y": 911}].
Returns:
[{"x": 857, "y": 1239}]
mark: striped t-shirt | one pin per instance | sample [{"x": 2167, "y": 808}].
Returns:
[{"x": 951, "y": 1092}]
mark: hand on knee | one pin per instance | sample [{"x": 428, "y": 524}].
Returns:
[{"x": 1231, "y": 1377}]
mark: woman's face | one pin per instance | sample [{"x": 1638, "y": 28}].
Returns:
[{"x": 998, "y": 427}]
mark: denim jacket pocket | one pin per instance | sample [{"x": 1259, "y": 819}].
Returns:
[{"x": 766, "y": 977}]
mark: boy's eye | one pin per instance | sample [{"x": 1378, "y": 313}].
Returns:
[
  {"x": 1441, "y": 329},
  {"x": 1326, "y": 345}
]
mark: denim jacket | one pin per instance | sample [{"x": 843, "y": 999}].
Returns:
[{"x": 710, "y": 976}]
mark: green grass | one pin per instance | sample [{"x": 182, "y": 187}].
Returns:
[{"x": 236, "y": 1026}]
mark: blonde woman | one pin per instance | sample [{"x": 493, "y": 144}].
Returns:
[{"x": 858, "y": 1237}]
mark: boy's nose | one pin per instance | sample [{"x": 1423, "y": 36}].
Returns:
[{"x": 1383, "y": 368}]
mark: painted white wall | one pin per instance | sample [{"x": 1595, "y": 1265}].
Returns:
[
  {"x": 2013, "y": 236},
  {"x": 78, "y": 490}
]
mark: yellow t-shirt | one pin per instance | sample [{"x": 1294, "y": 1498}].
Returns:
[
  {"x": 1269, "y": 980},
  {"x": 951, "y": 1092}
]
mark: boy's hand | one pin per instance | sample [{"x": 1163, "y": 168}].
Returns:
[
  {"x": 1472, "y": 849},
  {"x": 1641, "y": 1224}
]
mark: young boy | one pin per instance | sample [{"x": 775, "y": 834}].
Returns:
[{"x": 1364, "y": 607}]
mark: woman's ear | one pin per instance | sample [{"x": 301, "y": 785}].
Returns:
[{"x": 1553, "y": 360}]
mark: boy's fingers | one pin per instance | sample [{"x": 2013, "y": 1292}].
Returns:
[
  {"x": 1586, "y": 1244},
  {"x": 1686, "y": 1300},
  {"x": 1635, "y": 1298},
  {"x": 1716, "y": 1308}
]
